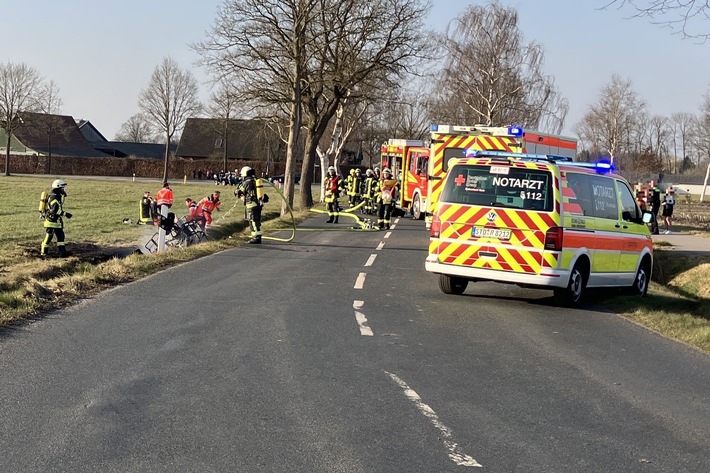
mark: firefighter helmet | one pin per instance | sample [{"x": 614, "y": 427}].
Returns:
[
  {"x": 245, "y": 171},
  {"x": 352, "y": 172},
  {"x": 58, "y": 184},
  {"x": 331, "y": 168},
  {"x": 386, "y": 170}
]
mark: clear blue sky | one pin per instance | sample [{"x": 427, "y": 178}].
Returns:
[{"x": 101, "y": 53}]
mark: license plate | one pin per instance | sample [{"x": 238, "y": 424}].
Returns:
[{"x": 488, "y": 232}]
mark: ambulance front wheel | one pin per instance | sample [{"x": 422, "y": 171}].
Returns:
[
  {"x": 452, "y": 285},
  {"x": 574, "y": 292},
  {"x": 642, "y": 279}
]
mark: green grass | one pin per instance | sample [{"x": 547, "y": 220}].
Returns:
[{"x": 98, "y": 238}]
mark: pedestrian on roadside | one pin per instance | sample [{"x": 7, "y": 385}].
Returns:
[
  {"x": 668, "y": 204},
  {"x": 53, "y": 219},
  {"x": 655, "y": 208}
]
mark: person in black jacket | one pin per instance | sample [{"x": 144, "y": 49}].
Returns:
[
  {"x": 655, "y": 198},
  {"x": 53, "y": 219}
]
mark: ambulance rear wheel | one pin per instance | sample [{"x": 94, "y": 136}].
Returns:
[
  {"x": 574, "y": 292},
  {"x": 452, "y": 285}
]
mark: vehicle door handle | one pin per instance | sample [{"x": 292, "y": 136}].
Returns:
[
  {"x": 625, "y": 227},
  {"x": 617, "y": 225}
]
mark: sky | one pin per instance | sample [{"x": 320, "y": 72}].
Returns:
[{"x": 102, "y": 53}]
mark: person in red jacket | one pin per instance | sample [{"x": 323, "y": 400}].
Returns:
[
  {"x": 194, "y": 213},
  {"x": 208, "y": 205}
]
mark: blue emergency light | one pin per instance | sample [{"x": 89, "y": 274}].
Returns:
[
  {"x": 515, "y": 130},
  {"x": 434, "y": 127}
]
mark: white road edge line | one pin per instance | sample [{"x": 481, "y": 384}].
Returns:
[
  {"x": 397, "y": 220},
  {"x": 455, "y": 454},
  {"x": 370, "y": 260},
  {"x": 360, "y": 282},
  {"x": 380, "y": 246},
  {"x": 365, "y": 330},
  {"x": 387, "y": 235}
]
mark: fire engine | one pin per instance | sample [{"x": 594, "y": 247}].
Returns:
[{"x": 421, "y": 167}]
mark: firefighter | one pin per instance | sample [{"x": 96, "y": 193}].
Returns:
[
  {"x": 356, "y": 188},
  {"x": 251, "y": 191},
  {"x": 147, "y": 209},
  {"x": 53, "y": 221},
  {"x": 208, "y": 205},
  {"x": 351, "y": 182},
  {"x": 332, "y": 192},
  {"x": 368, "y": 193},
  {"x": 386, "y": 199}
]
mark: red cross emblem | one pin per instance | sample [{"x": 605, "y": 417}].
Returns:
[{"x": 459, "y": 180}]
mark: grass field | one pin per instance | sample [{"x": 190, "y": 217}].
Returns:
[{"x": 678, "y": 304}]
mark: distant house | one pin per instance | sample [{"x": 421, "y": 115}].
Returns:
[
  {"x": 122, "y": 149},
  {"x": 47, "y": 134},
  {"x": 211, "y": 138}
]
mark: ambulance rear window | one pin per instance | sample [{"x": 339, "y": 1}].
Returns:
[{"x": 499, "y": 186}]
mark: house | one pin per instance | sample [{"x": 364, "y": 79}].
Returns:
[
  {"x": 214, "y": 138},
  {"x": 122, "y": 149},
  {"x": 47, "y": 134}
]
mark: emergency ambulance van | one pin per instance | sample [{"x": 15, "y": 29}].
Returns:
[{"x": 538, "y": 221}]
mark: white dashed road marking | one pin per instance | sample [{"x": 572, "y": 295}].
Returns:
[
  {"x": 380, "y": 246},
  {"x": 360, "y": 282},
  {"x": 370, "y": 260},
  {"x": 361, "y": 319},
  {"x": 455, "y": 453},
  {"x": 387, "y": 235}
]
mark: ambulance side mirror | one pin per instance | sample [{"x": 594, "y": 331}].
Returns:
[{"x": 647, "y": 217}]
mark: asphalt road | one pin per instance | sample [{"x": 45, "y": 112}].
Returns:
[{"x": 338, "y": 353}]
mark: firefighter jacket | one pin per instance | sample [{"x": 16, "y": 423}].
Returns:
[
  {"x": 247, "y": 190},
  {"x": 55, "y": 211},
  {"x": 387, "y": 189},
  {"x": 164, "y": 197},
  {"x": 370, "y": 187}
]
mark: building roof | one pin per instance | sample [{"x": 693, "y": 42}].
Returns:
[
  {"x": 90, "y": 132},
  {"x": 245, "y": 139},
  {"x": 58, "y": 134},
  {"x": 125, "y": 149}
]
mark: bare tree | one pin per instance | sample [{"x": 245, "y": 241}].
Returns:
[
  {"x": 20, "y": 86},
  {"x": 224, "y": 105},
  {"x": 492, "y": 76},
  {"x": 260, "y": 47},
  {"x": 609, "y": 125},
  {"x": 681, "y": 125},
  {"x": 170, "y": 99},
  {"x": 689, "y": 18},
  {"x": 49, "y": 103},
  {"x": 359, "y": 45},
  {"x": 702, "y": 138},
  {"x": 136, "y": 130}
]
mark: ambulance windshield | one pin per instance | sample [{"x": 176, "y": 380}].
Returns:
[{"x": 499, "y": 186}]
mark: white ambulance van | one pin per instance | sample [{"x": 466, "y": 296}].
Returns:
[{"x": 538, "y": 221}]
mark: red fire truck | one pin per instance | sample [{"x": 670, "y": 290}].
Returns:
[{"x": 420, "y": 176}]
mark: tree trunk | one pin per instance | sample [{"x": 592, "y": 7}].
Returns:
[
  {"x": 167, "y": 157},
  {"x": 705, "y": 184},
  {"x": 7, "y": 153},
  {"x": 294, "y": 131},
  {"x": 307, "y": 170}
]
